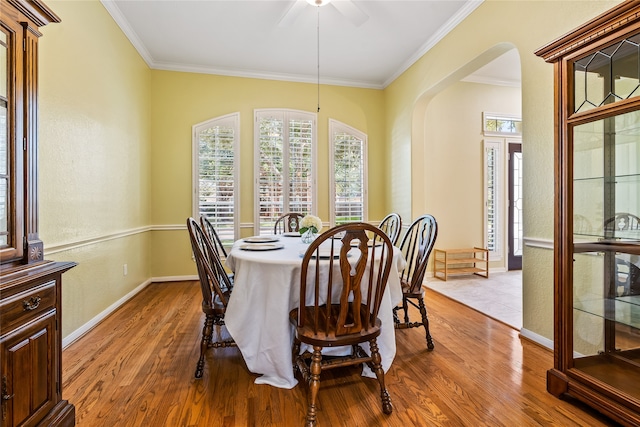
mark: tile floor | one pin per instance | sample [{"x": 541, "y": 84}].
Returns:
[{"x": 499, "y": 296}]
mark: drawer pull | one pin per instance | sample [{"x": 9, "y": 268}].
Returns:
[{"x": 32, "y": 304}]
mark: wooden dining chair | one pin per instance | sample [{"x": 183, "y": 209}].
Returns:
[
  {"x": 216, "y": 290},
  {"x": 287, "y": 223},
  {"x": 339, "y": 305},
  {"x": 416, "y": 247},
  {"x": 392, "y": 226}
]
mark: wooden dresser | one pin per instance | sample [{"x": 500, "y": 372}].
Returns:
[
  {"x": 31, "y": 347},
  {"x": 30, "y": 287}
]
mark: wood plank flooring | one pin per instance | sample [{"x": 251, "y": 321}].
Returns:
[{"x": 136, "y": 369}]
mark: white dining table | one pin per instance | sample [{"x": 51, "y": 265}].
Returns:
[{"x": 266, "y": 288}]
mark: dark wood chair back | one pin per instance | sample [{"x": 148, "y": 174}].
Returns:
[
  {"x": 215, "y": 284},
  {"x": 392, "y": 226},
  {"x": 416, "y": 247},
  {"x": 212, "y": 235},
  {"x": 287, "y": 223},
  {"x": 339, "y": 303},
  {"x": 355, "y": 312}
]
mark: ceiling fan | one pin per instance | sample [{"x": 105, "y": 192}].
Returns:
[{"x": 346, "y": 7}]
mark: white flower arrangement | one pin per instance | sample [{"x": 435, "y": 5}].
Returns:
[{"x": 310, "y": 222}]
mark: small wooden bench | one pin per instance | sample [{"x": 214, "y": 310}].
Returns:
[{"x": 460, "y": 261}]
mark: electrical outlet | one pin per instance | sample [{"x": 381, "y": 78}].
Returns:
[{"x": 125, "y": 270}]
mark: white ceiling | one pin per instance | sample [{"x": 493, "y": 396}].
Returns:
[{"x": 361, "y": 43}]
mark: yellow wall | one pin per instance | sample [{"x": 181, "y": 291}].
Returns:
[
  {"x": 492, "y": 29},
  {"x": 94, "y": 148},
  {"x": 181, "y": 100}
]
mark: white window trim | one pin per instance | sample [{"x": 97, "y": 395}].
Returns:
[
  {"x": 339, "y": 127},
  {"x": 233, "y": 121},
  {"x": 285, "y": 115}
]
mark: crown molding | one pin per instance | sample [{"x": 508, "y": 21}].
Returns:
[{"x": 462, "y": 14}]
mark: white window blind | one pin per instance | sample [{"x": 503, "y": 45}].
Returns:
[
  {"x": 285, "y": 159},
  {"x": 216, "y": 154},
  {"x": 493, "y": 171},
  {"x": 348, "y": 173}
]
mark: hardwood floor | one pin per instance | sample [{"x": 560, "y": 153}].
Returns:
[{"x": 137, "y": 369}]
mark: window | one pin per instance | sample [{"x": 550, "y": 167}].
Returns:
[
  {"x": 493, "y": 172},
  {"x": 285, "y": 159},
  {"x": 348, "y": 163},
  {"x": 500, "y": 124},
  {"x": 216, "y": 174}
]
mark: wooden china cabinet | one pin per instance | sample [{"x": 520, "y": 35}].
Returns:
[
  {"x": 30, "y": 287},
  {"x": 597, "y": 202}
]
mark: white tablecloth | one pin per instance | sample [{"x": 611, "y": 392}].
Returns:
[{"x": 266, "y": 289}]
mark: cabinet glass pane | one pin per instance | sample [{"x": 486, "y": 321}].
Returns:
[
  {"x": 4, "y": 137},
  {"x": 608, "y": 75},
  {"x": 607, "y": 178},
  {"x": 4, "y": 142},
  {"x": 606, "y": 321},
  {"x": 3, "y": 66},
  {"x": 3, "y": 212}
]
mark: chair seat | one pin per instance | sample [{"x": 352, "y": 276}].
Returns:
[
  {"x": 406, "y": 290},
  {"x": 328, "y": 338},
  {"x": 216, "y": 306}
]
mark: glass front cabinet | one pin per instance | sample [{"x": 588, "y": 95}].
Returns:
[{"x": 597, "y": 211}]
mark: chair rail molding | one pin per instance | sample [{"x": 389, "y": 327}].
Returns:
[
  {"x": 538, "y": 242},
  {"x": 66, "y": 246}
]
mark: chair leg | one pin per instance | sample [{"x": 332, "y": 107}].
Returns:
[
  {"x": 294, "y": 354},
  {"x": 425, "y": 322},
  {"x": 376, "y": 360},
  {"x": 314, "y": 385},
  {"x": 207, "y": 331},
  {"x": 396, "y": 320},
  {"x": 405, "y": 307}
]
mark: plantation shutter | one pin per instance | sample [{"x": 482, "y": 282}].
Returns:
[
  {"x": 216, "y": 174},
  {"x": 284, "y": 166},
  {"x": 493, "y": 156},
  {"x": 349, "y": 174}
]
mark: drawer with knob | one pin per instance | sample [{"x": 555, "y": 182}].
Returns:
[{"x": 27, "y": 305}]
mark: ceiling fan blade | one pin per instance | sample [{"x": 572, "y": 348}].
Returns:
[
  {"x": 351, "y": 11},
  {"x": 292, "y": 13}
]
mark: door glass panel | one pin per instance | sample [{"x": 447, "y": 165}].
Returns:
[{"x": 517, "y": 204}]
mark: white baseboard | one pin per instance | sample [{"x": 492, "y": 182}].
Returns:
[
  {"x": 173, "y": 278},
  {"x": 538, "y": 339},
  {"x": 75, "y": 335}
]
